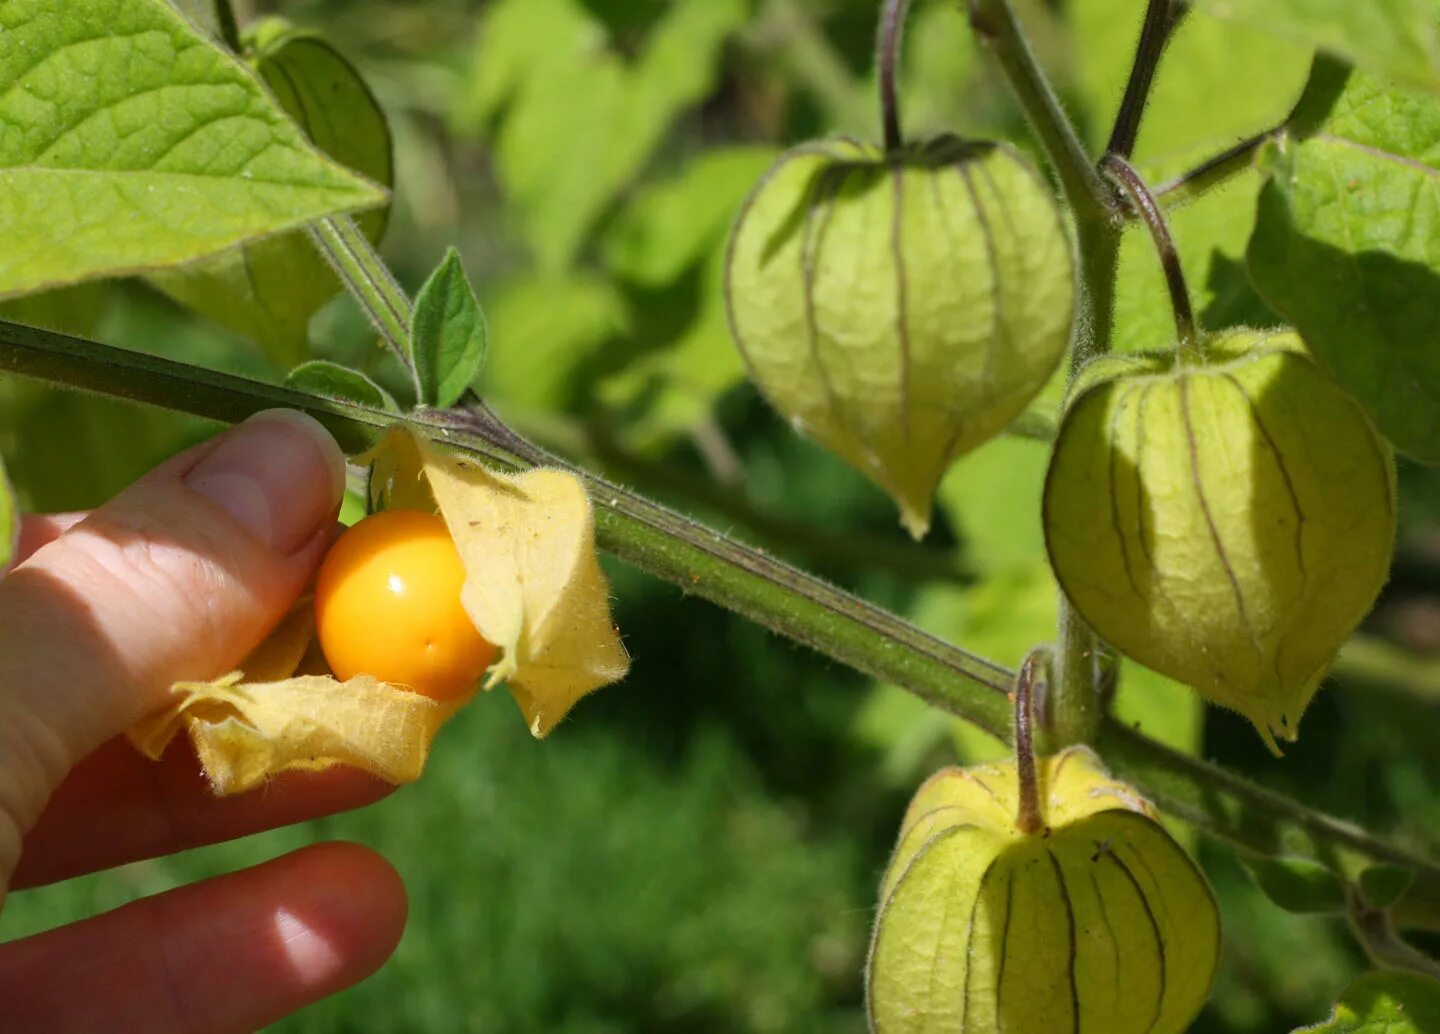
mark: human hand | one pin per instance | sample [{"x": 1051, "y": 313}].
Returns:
[{"x": 177, "y": 578}]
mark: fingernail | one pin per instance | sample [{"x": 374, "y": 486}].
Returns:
[{"x": 279, "y": 474}]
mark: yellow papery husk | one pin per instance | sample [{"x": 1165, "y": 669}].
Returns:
[
  {"x": 533, "y": 584},
  {"x": 1100, "y": 922},
  {"x": 264, "y": 719},
  {"x": 533, "y": 587}
]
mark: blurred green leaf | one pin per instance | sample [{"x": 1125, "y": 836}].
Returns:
[
  {"x": 268, "y": 290},
  {"x": 1347, "y": 248},
  {"x": 1395, "y": 38},
  {"x": 993, "y": 497},
  {"x": 321, "y": 377},
  {"x": 74, "y": 310},
  {"x": 546, "y": 331},
  {"x": 579, "y": 120},
  {"x": 1383, "y": 885},
  {"x": 1385, "y": 1003},
  {"x": 133, "y": 143},
  {"x": 1297, "y": 884},
  {"x": 673, "y": 225},
  {"x": 1183, "y": 121},
  {"x": 449, "y": 334}
]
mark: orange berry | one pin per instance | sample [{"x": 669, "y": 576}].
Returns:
[{"x": 387, "y": 604}]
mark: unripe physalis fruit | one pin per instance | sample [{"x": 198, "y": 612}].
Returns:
[
  {"x": 1226, "y": 520},
  {"x": 387, "y": 604},
  {"x": 901, "y": 307},
  {"x": 1088, "y": 917}
]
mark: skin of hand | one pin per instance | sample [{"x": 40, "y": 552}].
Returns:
[{"x": 177, "y": 578}]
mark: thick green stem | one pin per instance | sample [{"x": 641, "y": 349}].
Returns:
[
  {"x": 1077, "y": 699},
  {"x": 996, "y": 23},
  {"x": 707, "y": 564}
]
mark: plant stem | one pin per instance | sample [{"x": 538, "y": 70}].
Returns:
[
  {"x": 887, "y": 59},
  {"x": 996, "y": 23},
  {"x": 705, "y": 563},
  {"x": 788, "y": 31},
  {"x": 1133, "y": 186},
  {"x": 1214, "y": 171},
  {"x": 229, "y": 27},
  {"x": 354, "y": 259},
  {"x": 1154, "y": 34},
  {"x": 1031, "y": 819},
  {"x": 1077, "y": 698},
  {"x": 1384, "y": 946}
]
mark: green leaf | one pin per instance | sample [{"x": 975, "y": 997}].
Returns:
[
  {"x": 580, "y": 120},
  {"x": 1383, "y": 885},
  {"x": 1385, "y": 1003},
  {"x": 449, "y": 335},
  {"x": 550, "y": 329},
  {"x": 1347, "y": 248},
  {"x": 1297, "y": 884},
  {"x": 1395, "y": 38},
  {"x": 268, "y": 290},
  {"x": 672, "y": 226},
  {"x": 132, "y": 143},
  {"x": 322, "y": 377},
  {"x": 9, "y": 520}
]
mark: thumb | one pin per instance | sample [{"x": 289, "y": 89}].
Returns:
[{"x": 177, "y": 578}]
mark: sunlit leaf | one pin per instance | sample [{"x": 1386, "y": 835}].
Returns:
[
  {"x": 321, "y": 377},
  {"x": 449, "y": 334},
  {"x": 130, "y": 142},
  {"x": 1385, "y": 1003}
]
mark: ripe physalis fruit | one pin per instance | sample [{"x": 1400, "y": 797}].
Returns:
[
  {"x": 1226, "y": 521},
  {"x": 1085, "y": 916},
  {"x": 493, "y": 558},
  {"x": 387, "y": 604},
  {"x": 903, "y": 307}
]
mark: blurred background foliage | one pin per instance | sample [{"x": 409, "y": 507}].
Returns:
[{"x": 698, "y": 848}]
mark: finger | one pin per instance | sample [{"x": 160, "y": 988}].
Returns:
[
  {"x": 177, "y": 578},
  {"x": 119, "y": 807},
  {"x": 229, "y": 954},
  {"x": 43, "y": 529}
]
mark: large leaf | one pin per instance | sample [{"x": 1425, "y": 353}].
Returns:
[
  {"x": 1347, "y": 248},
  {"x": 269, "y": 289},
  {"x": 580, "y": 121},
  {"x": 129, "y": 143},
  {"x": 1385, "y": 1003},
  {"x": 1396, "y": 38}
]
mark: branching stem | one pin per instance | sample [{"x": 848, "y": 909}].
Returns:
[
  {"x": 1160, "y": 21},
  {"x": 1132, "y": 185},
  {"x": 1031, "y": 818}
]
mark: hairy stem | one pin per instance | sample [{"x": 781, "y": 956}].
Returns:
[
  {"x": 1143, "y": 203},
  {"x": 996, "y": 23},
  {"x": 365, "y": 274},
  {"x": 1154, "y": 34},
  {"x": 1384, "y": 945},
  {"x": 887, "y": 60},
  {"x": 705, "y": 563},
  {"x": 1214, "y": 171}
]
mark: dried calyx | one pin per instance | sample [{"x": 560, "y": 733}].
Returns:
[
  {"x": 904, "y": 306},
  {"x": 1227, "y": 522},
  {"x": 1073, "y": 911}
]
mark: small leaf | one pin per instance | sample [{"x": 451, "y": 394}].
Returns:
[
  {"x": 1344, "y": 248},
  {"x": 268, "y": 290},
  {"x": 9, "y": 520},
  {"x": 1395, "y": 38},
  {"x": 448, "y": 330},
  {"x": 1383, "y": 885},
  {"x": 1297, "y": 884},
  {"x": 332, "y": 380},
  {"x": 133, "y": 143},
  {"x": 1385, "y": 1003}
]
